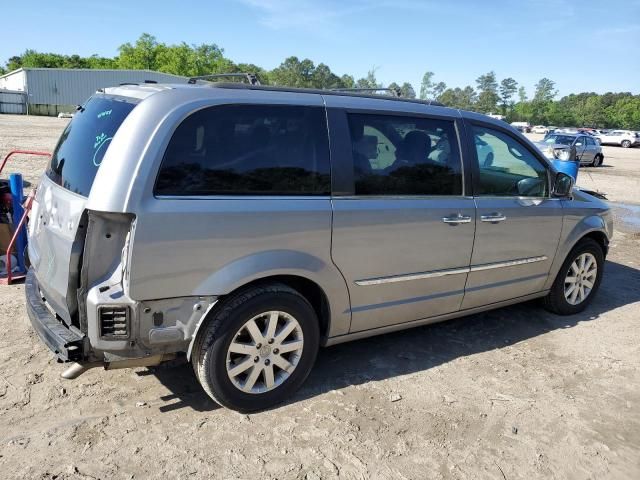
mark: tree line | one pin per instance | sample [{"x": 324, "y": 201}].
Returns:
[{"x": 505, "y": 97}]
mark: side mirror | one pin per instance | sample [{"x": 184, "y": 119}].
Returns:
[{"x": 562, "y": 185}]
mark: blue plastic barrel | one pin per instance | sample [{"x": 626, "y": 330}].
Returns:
[
  {"x": 17, "y": 197},
  {"x": 570, "y": 167}
]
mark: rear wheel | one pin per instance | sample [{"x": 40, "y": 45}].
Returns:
[
  {"x": 578, "y": 279},
  {"x": 626, "y": 144},
  {"x": 258, "y": 349},
  {"x": 597, "y": 161}
]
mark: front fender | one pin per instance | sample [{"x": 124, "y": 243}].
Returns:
[{"x": 575, "y": 227}]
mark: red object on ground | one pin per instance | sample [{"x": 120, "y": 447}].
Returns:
[{"x": 10, "y": 278}]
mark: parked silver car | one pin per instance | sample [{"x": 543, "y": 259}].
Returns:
[
  {"x": 243, "y": 227},
  {"x": 569, "y": 146}
]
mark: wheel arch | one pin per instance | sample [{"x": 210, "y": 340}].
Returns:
[
  {"x": 306, "y": 287},
  {"x": 600, "y": 238},
  {"x": 594, "y": 231}
]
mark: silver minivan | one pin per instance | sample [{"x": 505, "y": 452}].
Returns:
[{"x": 243, "y": 227}]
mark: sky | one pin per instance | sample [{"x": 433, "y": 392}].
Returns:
[{"x": 583, "y": 45}]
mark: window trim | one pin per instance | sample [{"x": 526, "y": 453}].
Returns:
[
  {"x": 342, "y": 156},
  {"x": 475, "y": 164},
  {"x": 239, "y": 196}
]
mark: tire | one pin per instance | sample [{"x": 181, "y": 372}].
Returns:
[
  {"x": 597, "y": 161},
  {"x": 625, "y": 144},
  {"x": 214, "y": 361},
  {"x": 557, "y": 300}
]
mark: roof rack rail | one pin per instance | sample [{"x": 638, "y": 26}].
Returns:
[
  {"x": 251, "y": 78},
  {"x": 394, "y": 91},
  {"x": 318, "y": 91}
]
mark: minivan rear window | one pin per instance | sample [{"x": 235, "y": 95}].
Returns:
[{"x": 83, "y": 143}]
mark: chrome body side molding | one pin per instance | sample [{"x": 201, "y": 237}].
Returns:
[{"x": 451, "y": 271}]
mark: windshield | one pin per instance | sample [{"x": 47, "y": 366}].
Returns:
[
  {"x": 83, "y": 143},
  {"x": 560, "y": 139}
]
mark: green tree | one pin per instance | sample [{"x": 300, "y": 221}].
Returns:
[
  {"x": 143, "y": 55},
  {"x": 522, "y": 94},
  {"x": 394, "y": 87},
  {"x": 262, "y": 74},
  {"x": 438, "y": 90},
  {"x": 426, "y": 87},
  {"x": 544, "y": 90},
  {"x": 450, "y": 97},
  {"x": 14, "y": 63},
  {"x": 369, "y": 81},
  {"x": 208, "y": 58},
  {"x": 293, "y": 73},
  {"x": 177, "y": 59},
  {"x": 323, "y": 77},
  {"x": 508, "y": 88},
  {"x": 95, "y": 61},
  {"x": 347, "y": 81},
  {"x": 626, "y": 113},
  {"x": 407, "y": 91},
  {"x": 488, "y": 93},
  {"x": 463, "y": 99}
]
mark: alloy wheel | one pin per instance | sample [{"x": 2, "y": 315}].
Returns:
[
  {"x": 264, "y": 352},
  {"x": 580, "y": 278}
]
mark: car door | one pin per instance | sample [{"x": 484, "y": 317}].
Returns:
[
  {"x": 402, "y": 227},
  {"x": 614, "y": 137},
  {"x": 590, "y": 151},
  {"x": 580, "y": 144},
  {"x": 518, "y": 224}
]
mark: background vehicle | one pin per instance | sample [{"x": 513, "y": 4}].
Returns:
[
  {"x": 245, "y": 226},
  {"x": 540, "y": 129},
  {"x": 523, "y": 127},
  {"x": 567, "y": 146},
  {"x": 623, "y": 138}
]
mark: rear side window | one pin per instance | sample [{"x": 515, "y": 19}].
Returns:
[
  {"x": 248, "y": 150},
  {"x": 84, "y": 142},
  {"x": 396, "y": 155}
]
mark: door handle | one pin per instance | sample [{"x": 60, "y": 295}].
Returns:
[
  {"x": 493, "y": 218},
  {"x": 456, "y": 219}
]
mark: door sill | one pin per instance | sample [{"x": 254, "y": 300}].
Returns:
[{"x": 429, "y": 320}]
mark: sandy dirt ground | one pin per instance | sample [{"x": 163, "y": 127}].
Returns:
[{"x": 513, "y": 393}]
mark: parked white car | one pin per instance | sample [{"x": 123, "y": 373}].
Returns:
[
  {"x": 540, "y": 129},
  {"x": 624, "y": 138}
]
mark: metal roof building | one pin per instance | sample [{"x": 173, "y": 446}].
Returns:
[{"x": 49, "y": 91}]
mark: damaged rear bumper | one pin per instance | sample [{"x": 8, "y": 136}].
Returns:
[{"x": 61, "y": 340}]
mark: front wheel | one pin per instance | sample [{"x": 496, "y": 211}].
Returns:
[
  {"x": 578, "y": 279},
  {"x": 258, "y": 348},
  {"x": 625, "y": 144}
]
